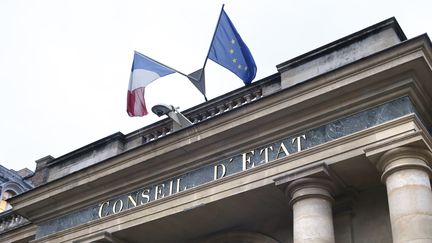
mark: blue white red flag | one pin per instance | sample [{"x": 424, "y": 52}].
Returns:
[{"x": 144, "y": 71}]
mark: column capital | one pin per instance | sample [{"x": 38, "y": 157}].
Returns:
[
  {"x": 310, "y": 188},
  {"x": 404, "y": 158}
]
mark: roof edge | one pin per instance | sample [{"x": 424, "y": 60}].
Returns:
[{"x": 342, "y": 42}]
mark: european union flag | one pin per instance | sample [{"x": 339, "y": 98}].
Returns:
[{"x": 229, "y": 50}]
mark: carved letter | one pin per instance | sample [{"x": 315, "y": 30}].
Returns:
[
  {"x": 132, "y": 200},
  {"x": 178, "y": 185},
  {"x": 146, "y": 196},
  {"x": 282, "y": 149},
  {"x": 101, "y": 209},
  {"x": 216, "y": 171},
  {"x": 171, "y": 185},
  {"x": 115, "y": 206},
  {"x": 159, "y": 191},
  {"x": 246, "y": 160},
  {"x": 299, "y": 141},
  {"x": 266, "y": 153}
]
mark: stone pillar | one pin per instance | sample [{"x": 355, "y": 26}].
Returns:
[
  {"x": 311, "y": 201},
  {"x": 406, "y": 175}
]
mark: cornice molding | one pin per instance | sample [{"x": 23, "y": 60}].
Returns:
[
  {"x": 418, "y": 138},
  {"x": 319, "y": 100},
  {"x": 231, "y": 185}
]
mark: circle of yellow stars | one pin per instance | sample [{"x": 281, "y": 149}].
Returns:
[{"x": 234, "y": 60}]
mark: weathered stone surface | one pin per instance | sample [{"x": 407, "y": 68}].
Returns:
[
  {"x": 336, "y": 55},
  {"x": 406, "y": 175},
  {"x": 234, "y": 164}
]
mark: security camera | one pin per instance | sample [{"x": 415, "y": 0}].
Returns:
[
  {"x": 162, "y": 109},
  {"x": 180, "y": 121}
]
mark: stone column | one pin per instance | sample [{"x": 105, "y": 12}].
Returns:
[
  {"x": 406, "y": 175},
  {"x": 311, "y": 201}
]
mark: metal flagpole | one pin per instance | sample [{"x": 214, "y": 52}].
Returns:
[
  {"x": 199, "y": 75},
  {"x": 211, "y": 43}
]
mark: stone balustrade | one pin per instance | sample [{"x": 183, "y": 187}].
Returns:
[
  {"x": 119, "y": 143},
  {"x": 204, "y": 112}
]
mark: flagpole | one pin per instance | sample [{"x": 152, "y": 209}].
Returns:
[{"x": 211, "y": 43}]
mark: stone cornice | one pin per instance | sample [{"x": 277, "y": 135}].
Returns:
[
  {"x": 345, "y": 41},
  {"x": 332, "y": 152},
  {"x": 324, "y": 98},
  {"x": 419, "y": 138}
]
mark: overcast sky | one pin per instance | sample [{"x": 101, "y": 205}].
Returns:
[{"x": 65, "y": 65}]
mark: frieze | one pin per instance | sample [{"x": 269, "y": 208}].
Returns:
[{"x": 231, "y": 165}]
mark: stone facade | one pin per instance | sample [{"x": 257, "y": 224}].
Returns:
[{"x": 335, "y": 147}]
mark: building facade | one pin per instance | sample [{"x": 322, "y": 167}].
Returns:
[
  {"x": 12, "y": 183},
  {"x": 334, "y": 147}
]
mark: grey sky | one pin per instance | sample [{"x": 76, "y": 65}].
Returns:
[{"x": 65, "y": 65}]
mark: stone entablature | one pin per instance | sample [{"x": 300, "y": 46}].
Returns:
[{"x": 232, "y": 165}]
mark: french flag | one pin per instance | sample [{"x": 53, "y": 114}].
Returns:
[{"x": 144, "y": 71}]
